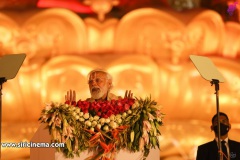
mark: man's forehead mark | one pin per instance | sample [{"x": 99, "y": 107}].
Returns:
[{"x": 97, "y": 74}]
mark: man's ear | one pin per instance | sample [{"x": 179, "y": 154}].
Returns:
[
  {"x": 109, "y": 83},
  {"x": 212, "y": 128},
  {"x": 230, "y": 126}
]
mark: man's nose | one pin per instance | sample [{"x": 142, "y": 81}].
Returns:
[{"x": 94, "y": 83}]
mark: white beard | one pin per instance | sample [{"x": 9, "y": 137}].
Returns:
[{"x": 98, "y": 93}]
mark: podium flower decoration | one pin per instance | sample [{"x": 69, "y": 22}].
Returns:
[{"x": 104, "y": 127}]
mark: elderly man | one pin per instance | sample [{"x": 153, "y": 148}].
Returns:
[{"x": 100, "y": 84}]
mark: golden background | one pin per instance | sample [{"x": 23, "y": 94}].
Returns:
[{"x": 146, "y": 51}]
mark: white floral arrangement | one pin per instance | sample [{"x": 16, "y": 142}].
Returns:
[{"x": 105, "y": 127}]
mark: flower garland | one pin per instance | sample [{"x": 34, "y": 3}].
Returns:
[{"x": 104, "y": 127}]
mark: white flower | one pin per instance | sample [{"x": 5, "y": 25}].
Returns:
[
  {"x": 129, "y": 112},
  {"x": 106, "y": 128},
  {"x": 150, "y": 117},
  {"x": 52, "y": 119},
  {"x": 145, "y": 136},
  {"x": 91, "y": 118},
  {"x": 112, "y": 117},
  {"x": 159, "y": 139},
  {"x": 78, "y": 110},
  {"x": 69, "y": 132},
  {"x": 147, "y": 126},
  {"x": 56, "y": 104},
  {"x": 44, "y": 118},
  {"x": 141, "y": 144},
  {"x": 71, "y": 108},
  {"x": 159, "y": 119},
  {"x": 96, "y": 118},
  {"x": 81, "y": 114},
  {"x": 86, "y": 115},
  {"x": 58, "y": 121},
  {"x": 124, "y": 114},
  {"x": 107, "y": 120},
  {"x": 118, "y": 116},
  {"x": 158, "y": 113},
  {"x": 136, "y": 104},
  {"x": 102, "y": 120},
  {"x": 98, "y": 126},
  {"x": 113, "y": 124},
  {"x": 119, "y": 120},
  {"x": 77, "y": 117},
  {"x": 48, "y": 107},
  {"x": 88, "y": 123},
  {"x": 58, "y": 136},
  {"x": 81, "y": 119},
  {"x": 94, "y": 123}
]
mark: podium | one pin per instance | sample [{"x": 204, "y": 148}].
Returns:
[{"x": 42, "y": 136}]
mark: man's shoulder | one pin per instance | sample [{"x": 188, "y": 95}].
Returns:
[
  {"x": 90, "y": 100},
  {"x": 234, "y": 142},
  {"x": 208, "y": 144},
  {"x": 113, "y": 96},
  {"x": 110, "y": 97},
  {"x": 207, "y": 151}
]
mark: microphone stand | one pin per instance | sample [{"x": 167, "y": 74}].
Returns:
[
  {"x": 2, "y": 80},
  {"x": 216, "y": 83}
]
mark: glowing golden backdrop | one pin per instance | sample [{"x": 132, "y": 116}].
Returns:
[{"x": 146, "y": 51}]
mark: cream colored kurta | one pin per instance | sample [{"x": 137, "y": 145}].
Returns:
[{"x": 110, "y": 97}]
